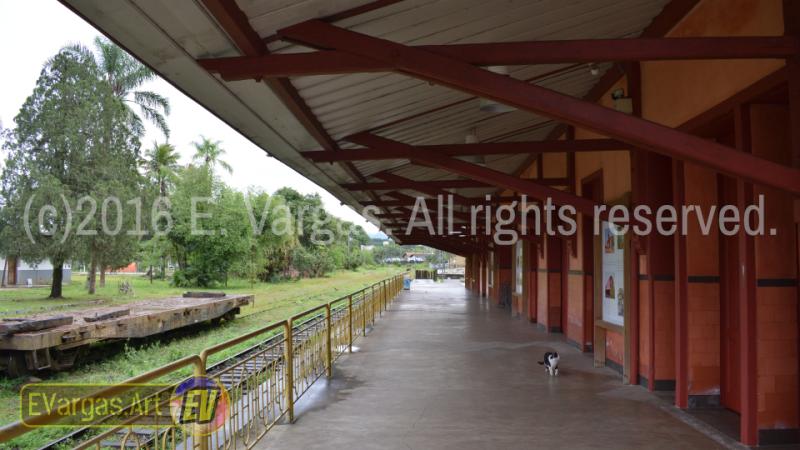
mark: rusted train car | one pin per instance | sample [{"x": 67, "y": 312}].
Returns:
[{"x": 56, "y": 341}]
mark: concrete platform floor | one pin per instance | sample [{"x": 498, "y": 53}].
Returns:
[{"x": 444, "y": 370}]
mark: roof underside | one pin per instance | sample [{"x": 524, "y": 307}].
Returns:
[{"x": 169, "y": 35}]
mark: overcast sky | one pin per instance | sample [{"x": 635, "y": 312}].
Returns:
[{"x": 33, "y": 30}]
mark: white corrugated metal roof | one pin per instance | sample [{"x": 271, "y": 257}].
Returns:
[{"x": 170, "y": 35}]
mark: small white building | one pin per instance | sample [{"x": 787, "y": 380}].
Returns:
[{"x": 16, "y": 272}]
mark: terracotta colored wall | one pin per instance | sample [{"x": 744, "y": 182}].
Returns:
[
  {"x": 615, "y": 347},
  {"x": 703, "y": 271},
  {"x": 675, "y": 91},
  {"x": 645, "y": 358},
  {"x": 776, "y": 299},
  {"x": 665, "y": 330},
  {"x": 543, "y": 288},
  {"x": 574, "y": 331}
]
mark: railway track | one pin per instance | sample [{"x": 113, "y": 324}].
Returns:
[{"x": 231, "y": 372}]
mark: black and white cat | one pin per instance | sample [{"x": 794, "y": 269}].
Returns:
[{"x": 550, "y": 363}]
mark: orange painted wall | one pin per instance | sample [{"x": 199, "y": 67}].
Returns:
[
  {"x": 574, "y": 331},
  {"x": 665, "y": 330},
  {"x": 704, "y": 295},
  {"x": 543, "y": 288},
  {"x": 776, "y": 260},
  {"x": 645, "y": 358},
  {"x": 675, "y": 91}
]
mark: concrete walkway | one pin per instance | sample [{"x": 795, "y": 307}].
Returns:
[{"x": 444, "y": 370}]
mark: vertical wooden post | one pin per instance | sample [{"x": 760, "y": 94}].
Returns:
[
  {"x": 791, "y": 27},
  {"x": 328, "y": 342},
  {"x": 288, "y": 355},
  {"x": 633, "y": 75},
  {"x": 748, "y": 367},
  {"x": 681, "y": 295}
]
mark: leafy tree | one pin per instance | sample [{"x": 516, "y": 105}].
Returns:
[
  {"x": 273, "y": 235},
  {"x": 313, "y": 262},
  {"x": 125, "y": 75},
  {"x": 209, "y": 153},
  {"x": 161, "y": 164},
  {"x": 210, "y": 232},
  {"x": 58, "y": 153}
]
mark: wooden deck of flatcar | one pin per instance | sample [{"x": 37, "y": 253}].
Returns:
[{"x": 50, "y": 341}]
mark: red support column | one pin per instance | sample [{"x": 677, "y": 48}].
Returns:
[
  {"x": 748, "y": 363},
  {"x": 791, "y": 21},
  {"x": 681, "y": 296},
  {"x": 634, "y": 80}
]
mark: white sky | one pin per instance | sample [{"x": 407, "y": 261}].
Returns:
[{"x": 31, "y": 31}]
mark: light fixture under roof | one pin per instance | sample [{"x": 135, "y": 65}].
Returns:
[
  {"x": 593, "y": 69},
  {"x": 487, "y": 105}
]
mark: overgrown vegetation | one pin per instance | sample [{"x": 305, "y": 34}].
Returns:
[
  {"x": 274, "y": 302},
  {"x": 77, "y": 189}
]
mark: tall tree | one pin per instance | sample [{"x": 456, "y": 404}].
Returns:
[
  {"x": 209, "y": 153},
  {"x": 57, "y": 154},
  {"x": 161, "y": 164},
  {"x": 125, "y": 75}
]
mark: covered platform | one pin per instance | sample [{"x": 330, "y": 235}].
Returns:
[
  {"x": 472, "y": 106},
  {"x": 448, "y": 370}
]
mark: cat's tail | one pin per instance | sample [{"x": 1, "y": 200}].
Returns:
[{"x": 541, "y": 363}]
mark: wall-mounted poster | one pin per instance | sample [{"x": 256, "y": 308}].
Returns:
[{"x": 613, "y": 264}]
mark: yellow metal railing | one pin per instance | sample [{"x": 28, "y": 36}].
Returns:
[{"x": 263, "y": 382}]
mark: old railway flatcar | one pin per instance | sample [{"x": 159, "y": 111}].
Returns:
[{"x": 54, "y": 341}]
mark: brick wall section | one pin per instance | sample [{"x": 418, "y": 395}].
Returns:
[{"x": 776, "y": 264}]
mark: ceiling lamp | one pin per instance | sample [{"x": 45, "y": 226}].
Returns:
[
  {"x": 593, "y": 70},
  {"x": 622, "y": 103},
  {"x": 487, "y": 105}
]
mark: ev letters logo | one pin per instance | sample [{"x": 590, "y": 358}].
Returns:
[{"x": 201, "y": 405}]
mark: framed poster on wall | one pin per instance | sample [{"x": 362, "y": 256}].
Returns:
[
  {"x": 614, "y": 277},
  {"x": 612, "y": 291}
]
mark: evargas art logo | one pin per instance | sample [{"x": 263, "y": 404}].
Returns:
[{"x": 201, "y": 405}]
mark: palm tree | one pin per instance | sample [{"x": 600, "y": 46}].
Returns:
[
  {"x": 208, "y": 153},
  {"x": 125, "y": 75},
  {"x": 161, "y": 164}
]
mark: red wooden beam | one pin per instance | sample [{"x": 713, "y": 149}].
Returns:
[
  {"x": 435, "y": 184},
  {"x": 346, "y": 14},
  {"x": 235, "y": 23},
  {"x": 471, "y": 201},
  {"x": 393, "y": 178},
  {"x": 490, "y": 148},
  {"x": 639, "y": 133},
  {"x": 486, "y": 175},
  {"x": 672, "y": 13},
  {"x": 327, "y": 62}
]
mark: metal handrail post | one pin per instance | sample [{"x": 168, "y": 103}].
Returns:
[
  {"x": 288, "y": 373},
  {"x": 329, "y": 339},
  {"x": 350, "y": 323}
]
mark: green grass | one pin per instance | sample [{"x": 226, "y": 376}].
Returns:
[{"x": 273, "y": 302}]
